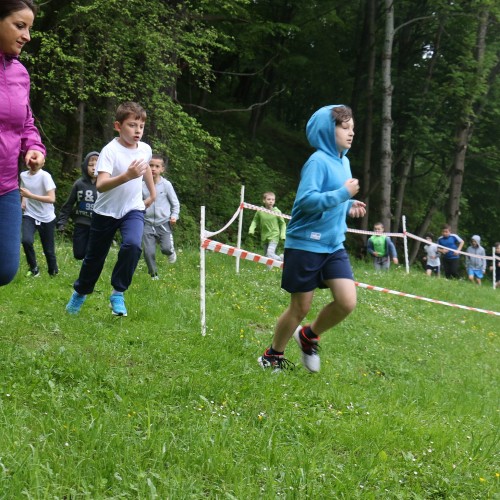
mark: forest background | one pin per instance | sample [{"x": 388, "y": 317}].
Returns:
[{"x": 229, "y": 86}]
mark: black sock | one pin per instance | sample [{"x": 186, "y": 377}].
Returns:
[
  {"x": 307, "y": 332},
  {"x": 272, "y": 352}
]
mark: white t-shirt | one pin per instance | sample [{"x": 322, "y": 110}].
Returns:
[
  {"x": 115, "y": 159},
  {"x": 40, "y": 184}
]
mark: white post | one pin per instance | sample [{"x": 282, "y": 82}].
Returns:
[
  {"x": 405, "y": 241},
  {"x": 494, "y": 270},
  {"x": 240, "y": 227},
  {"x": 202, "y": 274}
]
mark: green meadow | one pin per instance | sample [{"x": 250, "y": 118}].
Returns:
[{"x": 406, "y": 405}]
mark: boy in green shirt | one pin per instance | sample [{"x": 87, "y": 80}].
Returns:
[
  {"x": 381, "y": 248},
  {"x": 272, "y": 228}
]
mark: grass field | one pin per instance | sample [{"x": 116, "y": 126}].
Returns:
[{"x": 93, "y": 406}]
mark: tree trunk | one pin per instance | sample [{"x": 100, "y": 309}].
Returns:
[
  {"x": 386, "y": 149},
  {"x": 457, "y": 176},
  {"x": 408, "y": 161},
  {"x": 81, "y": 133},
  {"x": 464, "y": 132},
  {"x": 71, "y": 143},
  {"x": 407, "y": 164},
  {"x": 108, "y": 132},
  {"x": 436, "y": 202},
  {"x": 368, "y": 125}
]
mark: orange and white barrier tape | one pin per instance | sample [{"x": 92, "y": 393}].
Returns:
[
  {"x": 411, "y": 296},
  {"x": 215, "y": 246}
]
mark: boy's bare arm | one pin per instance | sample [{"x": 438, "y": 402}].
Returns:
[
  {"x": 148, "y": 179},
  {"x": 50, "y": 197},
  {"x": 136, "y": 169}
]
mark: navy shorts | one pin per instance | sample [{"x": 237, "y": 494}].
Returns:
[
  {"x": 434, "y": 269},
  {"x": 305, "y": 271}
]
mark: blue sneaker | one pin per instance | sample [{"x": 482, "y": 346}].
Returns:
[
  {"x": 117, "y": 304},
  {"x": 75, "y": 303}
]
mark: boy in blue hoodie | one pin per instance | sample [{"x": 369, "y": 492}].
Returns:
[
  {"x": 314, "y": 252},
  {"x": 83, "y": 195}
]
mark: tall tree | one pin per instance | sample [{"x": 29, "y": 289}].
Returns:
[
  {"x": 476, "y": 91},
  {"x": 386, "y": 137}
]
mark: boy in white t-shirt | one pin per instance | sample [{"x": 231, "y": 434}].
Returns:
[
  {"x": 432, "y": 260},
  {"x": 38, "y": 192},
  {"x": 122, "y": 165}
]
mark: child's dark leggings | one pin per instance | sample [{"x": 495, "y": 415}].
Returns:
[
  {"x": 46, "y": 231},
  {"x": 102, "y": 232},
  {"x": 81, "y": 235}
]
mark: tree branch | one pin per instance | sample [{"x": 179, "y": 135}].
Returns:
[
  {"x": 239, "y": 110},
  {"x": 247, "y": 74}
]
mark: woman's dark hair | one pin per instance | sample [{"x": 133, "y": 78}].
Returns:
[{"x": 8, "y": 7}]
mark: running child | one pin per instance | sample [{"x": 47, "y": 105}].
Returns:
[{"x": 122, "y": 165}]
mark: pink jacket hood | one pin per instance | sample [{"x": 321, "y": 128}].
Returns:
[{"x": 18, "y": 132}]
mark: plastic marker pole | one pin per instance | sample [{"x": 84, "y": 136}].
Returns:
[
  {"x": 405, "y": 241},
  {"x": 202, "y": 274},
  {"x": 240, "y": 226}
]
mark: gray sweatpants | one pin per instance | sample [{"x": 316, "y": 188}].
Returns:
[
  {"x": 270, "y": 250},
  {"x": 381, "y": 263},
  {"x": 152, "y": 236}
]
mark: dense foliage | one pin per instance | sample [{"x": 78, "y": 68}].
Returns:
[{"x": 229, "y": 85}]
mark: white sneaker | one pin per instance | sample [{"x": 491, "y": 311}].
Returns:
[
  {"x": 172, "y": 258},
  {"x": 309, "y": 348}
]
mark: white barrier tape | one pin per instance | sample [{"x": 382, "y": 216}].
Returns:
[
  {"x": 262, "y": 209},
  {"x": 215, "y": 246},
  {"x": 409, "y": 295},
  {"x": 209, "y": 234},
  {"x": 357, "y": 231},
  {"x": 286, "y": 216},
  {"x": 361, "y": 231}
]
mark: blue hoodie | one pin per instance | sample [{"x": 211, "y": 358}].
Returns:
[{"x": 322, "y": 201}]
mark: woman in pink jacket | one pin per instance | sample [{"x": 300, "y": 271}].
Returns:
[{"x": 19, "y": 138}]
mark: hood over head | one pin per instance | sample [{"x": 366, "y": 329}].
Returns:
[
  {"x": 477, "y": 239},
  {"x": 85, "y": 163},
  {"x": 320, "y": 131}
]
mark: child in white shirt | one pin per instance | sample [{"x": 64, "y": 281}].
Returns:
[
  {"x": 432, "y": 260},
  {"x": 38, "y": 192},
  {"x": 122, "y": 165}
]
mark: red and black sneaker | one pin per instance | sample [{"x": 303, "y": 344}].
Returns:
[
  {"x": 309, "y": 348},
  {"x": 275, "y": 361}
]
